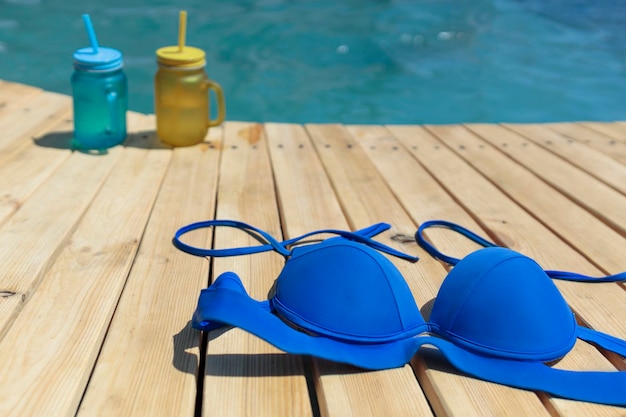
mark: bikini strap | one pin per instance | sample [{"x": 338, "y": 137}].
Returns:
[
  {"x": 434, "y": 252},
  {"x": 361, "y": 236},
  {"x": 602, "y": 387},
  {"x": 573, "y": 276},
  {"x": 603, "y": 340},
  {"x": 272, "y": 244}
]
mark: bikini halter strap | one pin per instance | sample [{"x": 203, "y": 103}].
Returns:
[
  {"x": 360, "y": 236},
  {"x": 434, "y": 252}
]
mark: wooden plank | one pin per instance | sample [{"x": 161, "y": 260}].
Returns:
[
  {"x": 295, "y": 176},
  {"x": 588, "y": 192},
  {"x": 367, "y": 199},
  {"x": 33, "y": 236},
  {"x": 588, "y": 159},
  {"x": 149, "y": 360},
  {"x": 19, "y": 123},
  {"x": 495, "y": 212},
  {"x": 245, "y": 376},
  {"x": 616, "y": 131},
  {"x": 55, "y": 132},
  {"x": 25, "y": 170},
  {"x": 596, "y": 139},
  {"x": 413, "y": 186},
  {"x": 604, "y": 246},
  {"x": 79, "y": 293},
  {"x": 13, "y": 93},
  {"x": 308, "y": 203}
]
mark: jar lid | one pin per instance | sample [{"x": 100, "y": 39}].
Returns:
[
  {"x": 185, "y": 57},
  {"x": 105, "y": 59}
]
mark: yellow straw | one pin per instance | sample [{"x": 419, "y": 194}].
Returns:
[{"x": 182, "y": 29}]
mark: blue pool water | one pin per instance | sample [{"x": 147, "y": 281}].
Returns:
[{"x": 351, "y": 61}]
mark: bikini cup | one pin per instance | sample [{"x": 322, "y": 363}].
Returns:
[
  {"x": 497, "y": 316},
  {"x": 502, "y": 303},
  {"x": 319, "y": 280}
]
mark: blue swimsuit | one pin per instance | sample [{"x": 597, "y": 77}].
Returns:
[{"x": 342, "y": 300}]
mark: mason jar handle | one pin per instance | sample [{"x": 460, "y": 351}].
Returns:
[
  {"x": 114, "y": 123},
  {"x": 221, "y": 107}
]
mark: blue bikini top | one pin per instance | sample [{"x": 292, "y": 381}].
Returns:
[{"x": 342, "y": 300}]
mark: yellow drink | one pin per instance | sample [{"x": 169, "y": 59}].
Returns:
[{"x": 181, "y": 91}]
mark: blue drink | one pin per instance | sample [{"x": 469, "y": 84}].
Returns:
[
  {"x": 100, "y": 93},
  {"x": 100, "y": 103}
]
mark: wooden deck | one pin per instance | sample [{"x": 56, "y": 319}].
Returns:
[{"x": 95, "y": 301}]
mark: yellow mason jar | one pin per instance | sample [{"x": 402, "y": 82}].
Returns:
[{"x": 181, "y": 90}]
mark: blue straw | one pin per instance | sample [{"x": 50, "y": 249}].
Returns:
[{"x": 91, "y": 33}]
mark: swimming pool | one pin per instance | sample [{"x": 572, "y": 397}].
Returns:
[{"x": 354, "y": 61}]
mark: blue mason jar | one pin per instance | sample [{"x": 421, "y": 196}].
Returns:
[{"x": 100, "y": 93}]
